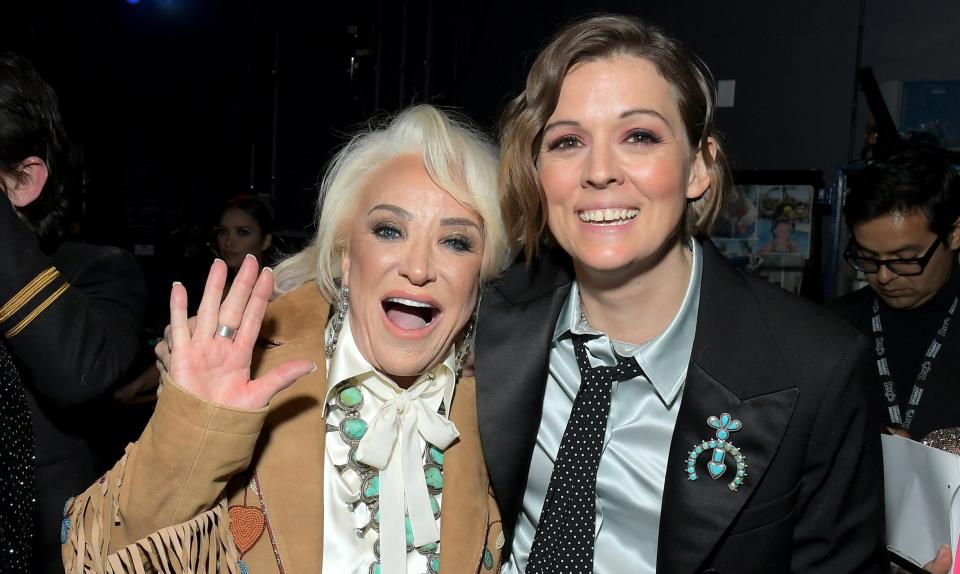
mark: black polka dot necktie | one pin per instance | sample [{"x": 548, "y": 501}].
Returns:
[{"x": 564, "y": 541}]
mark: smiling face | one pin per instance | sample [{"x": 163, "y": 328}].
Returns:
[
  {"x": 413, "y": 268},
  {"x": 905, "y": 236},
  {"x": 615, "y": 165}
]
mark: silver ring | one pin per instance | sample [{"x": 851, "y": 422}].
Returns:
[{"x": 225, "y": 331}]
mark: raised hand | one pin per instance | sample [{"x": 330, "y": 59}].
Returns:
[{"x": 209, "y": 362}]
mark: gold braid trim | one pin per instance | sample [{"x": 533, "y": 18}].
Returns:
[
  {"x": 202, "y": 545},
  {"x": 29, "y": 291},
  {"x": 39, "y": 309}
]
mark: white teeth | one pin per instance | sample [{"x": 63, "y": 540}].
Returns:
[
  {"x": 409, "y": 302},
  {"x": 608, "y": 215}
]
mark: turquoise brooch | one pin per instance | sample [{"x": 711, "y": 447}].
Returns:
[{"x": 719, "y": 448}]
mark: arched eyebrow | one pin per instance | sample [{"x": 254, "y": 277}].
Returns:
[
  {"x": 407, "y": 216},
  {"x": 396, "y": 210},
  {"x": 459, "y": 221},
  {"x": 645, "y": 112},
  {"x": 625, "y": 114}
]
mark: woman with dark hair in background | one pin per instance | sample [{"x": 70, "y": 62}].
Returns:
[
  {"x": 245, "y": 228},
  {"x": 643, "y": 406},
  {"x": 69, "y": 324}
]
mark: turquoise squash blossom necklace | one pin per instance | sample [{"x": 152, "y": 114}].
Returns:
[{"x": 348, "y": 398}]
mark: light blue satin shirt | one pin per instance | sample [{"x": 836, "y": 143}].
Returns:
[{"x": 633, "y": 464}]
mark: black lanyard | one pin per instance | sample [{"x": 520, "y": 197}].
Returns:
[{"x": 889, "y": 391}]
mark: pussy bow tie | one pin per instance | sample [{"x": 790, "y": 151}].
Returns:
[{"x": 391, "y": 446}]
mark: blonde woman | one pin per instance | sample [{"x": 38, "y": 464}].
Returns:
[{"x": 344, "y": 440}]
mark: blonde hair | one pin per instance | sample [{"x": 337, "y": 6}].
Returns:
[
  {"x": 458, "y": 158},
  {"x": 595, "y": 38}
]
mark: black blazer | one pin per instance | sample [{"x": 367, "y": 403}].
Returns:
[
  {"x": 71, "y": 356},
  {"x": 813, "y": 498}
]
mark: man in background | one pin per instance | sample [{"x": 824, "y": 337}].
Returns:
[
  {"x": 904, "y": 216},
  {"x": 70, "y": 314}
]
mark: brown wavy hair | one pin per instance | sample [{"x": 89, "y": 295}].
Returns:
[{"x": 594, "y": 38}]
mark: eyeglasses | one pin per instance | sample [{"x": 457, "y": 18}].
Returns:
[{"x": 906, "y": 267}]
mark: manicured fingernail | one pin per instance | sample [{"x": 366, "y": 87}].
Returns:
[
  {"x": 177, "y": 283},
  {"x": 251, "y": 256},
  {"x": 269, "y": 269},
  {"x": 218, "y": 259}
]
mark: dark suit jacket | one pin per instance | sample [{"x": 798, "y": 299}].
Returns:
[
  {"x": 813, "y": 498},
  {"x": 73, "y": 339}
]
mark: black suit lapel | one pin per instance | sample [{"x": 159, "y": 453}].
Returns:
[
  {"x": 734, "y": 369},
  {"x": 515, "y": 327},
  {"x": 695, "y": 514}
]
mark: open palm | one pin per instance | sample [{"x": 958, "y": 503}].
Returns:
[{"x": 211, "y": 364}]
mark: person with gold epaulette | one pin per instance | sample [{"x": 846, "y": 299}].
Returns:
[{"x": 70, "y": 317}]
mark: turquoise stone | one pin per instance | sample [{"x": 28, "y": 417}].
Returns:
[
  {"x": 350, "y": 397},
  {"x": 376, "y": 518},
  {"x": 712, "y": 444},
  {"x": 429, "y": 548},
  {"x": 738, "y": 481},
  {"x": 434, "y": 504},
  {"x": 693, "y": 477},
  {"x": 716, "y": 469},
  {"x": 487, "y": 558},
  {"x": 354, "y": 428},
  {"x": 409, "y": 530},
  {"x": 64, "y": 531},
  {"x": 434, "y": 477},
  {"x": 373, "y": 487},
  {"x": 698, "y": 450},
  {"x": 435, "y": 564},
  {"x": 724, "y": 419},
  {"x": 375, "y": 569},
  {"x": 436, "y": 455}
]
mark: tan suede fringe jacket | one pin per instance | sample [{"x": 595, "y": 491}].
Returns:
[{"x": 184, "y": 499}]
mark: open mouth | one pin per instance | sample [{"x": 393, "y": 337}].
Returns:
[
  {"x": 616, "y": 216},
  {"x": 409, "y": 314}
]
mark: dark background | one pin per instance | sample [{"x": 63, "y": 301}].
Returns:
[{"x": 176, "y": 105}]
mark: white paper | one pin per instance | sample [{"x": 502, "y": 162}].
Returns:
[{"x": 923, "y": 509}]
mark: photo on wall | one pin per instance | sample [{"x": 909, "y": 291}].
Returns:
[
  {"x": 766, "y": 227},
  {"x": 738, "y": 217},
  {"x": 784, "y": 220}
]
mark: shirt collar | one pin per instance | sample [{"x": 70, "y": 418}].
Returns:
[
  {"x": 665, "y": 358},
  {"x": 347, "y": 363}
]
